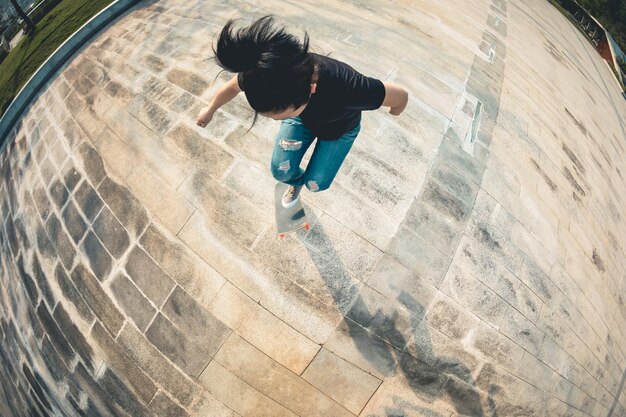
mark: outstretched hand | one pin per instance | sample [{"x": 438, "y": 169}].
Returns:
[
  {"x": 396, "y": 98},
  {"x": 204, "y": 117},
  {"x": 395, "y": 111}
]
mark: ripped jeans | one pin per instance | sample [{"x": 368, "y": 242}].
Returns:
[{"x": 293, "y": 140}]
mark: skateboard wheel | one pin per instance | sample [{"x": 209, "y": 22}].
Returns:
[
  {"x": 307, "y": 227},
  {"x": 281, "y": 235}
]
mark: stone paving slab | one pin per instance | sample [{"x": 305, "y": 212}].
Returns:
[{"x": 468, "y": 260}]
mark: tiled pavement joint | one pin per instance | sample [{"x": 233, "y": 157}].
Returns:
[
  {"x": 484, "y": 85},
  {"x": 618, "y": 394}
]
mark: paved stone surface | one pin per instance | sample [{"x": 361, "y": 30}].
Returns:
[{"x": 468, "y": 260}]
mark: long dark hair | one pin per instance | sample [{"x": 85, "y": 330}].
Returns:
[{"x": 276, "y": 66}]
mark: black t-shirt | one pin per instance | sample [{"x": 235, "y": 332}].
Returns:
[{"x": 341, "y": 94}]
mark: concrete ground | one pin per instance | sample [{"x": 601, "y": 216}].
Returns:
[
  {"x": 468, "y": 260},
  {"x": 16, "y": 39}
]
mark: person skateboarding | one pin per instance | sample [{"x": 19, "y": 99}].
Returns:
[{"x": 314, "y": 96}]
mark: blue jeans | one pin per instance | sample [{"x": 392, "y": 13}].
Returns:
[{"x": 293, "y": 140}]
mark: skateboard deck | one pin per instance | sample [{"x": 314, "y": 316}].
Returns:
[{"x": 288, "y": 219}]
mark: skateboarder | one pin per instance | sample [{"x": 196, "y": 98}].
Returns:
[{"x": 315, "y": 96}]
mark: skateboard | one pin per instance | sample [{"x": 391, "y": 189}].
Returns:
[{"x": 288, "y": 219}]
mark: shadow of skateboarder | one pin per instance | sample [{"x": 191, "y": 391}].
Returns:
[{"x": 429, "y": 376}]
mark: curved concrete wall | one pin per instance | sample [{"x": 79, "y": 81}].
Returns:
[
  {"x": 55, "y": 61},
  {"x": 468, "y": 260}
]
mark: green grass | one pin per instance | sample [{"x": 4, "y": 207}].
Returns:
[{"x": 33, "y": 50}]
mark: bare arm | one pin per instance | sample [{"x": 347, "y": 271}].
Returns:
[
  {"x": 225, "y": 94},
  {"x": 396, "y": 98}
]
